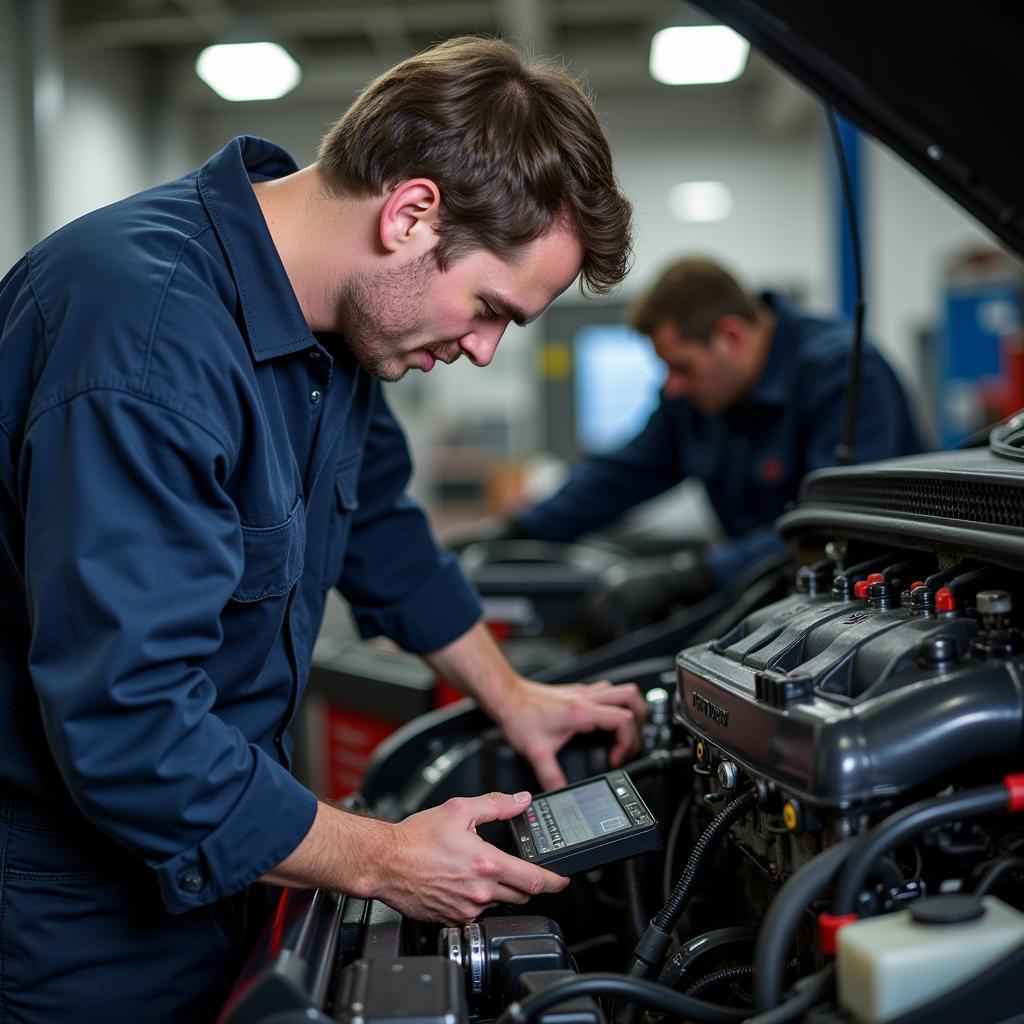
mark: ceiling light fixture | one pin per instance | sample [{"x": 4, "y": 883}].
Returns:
[
  {"x": 247, "y": 65},
  {"x": 700, "y": 201},
  {"x": 697, "y": 55}
]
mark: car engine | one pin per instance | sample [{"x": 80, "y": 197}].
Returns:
[{"x": 835, "y": 774}]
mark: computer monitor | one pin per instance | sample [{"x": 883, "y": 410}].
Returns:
[{"x": 616, "y": 383}]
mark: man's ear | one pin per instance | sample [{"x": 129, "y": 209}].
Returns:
[
  {"x": 734, "y": 333},
  {"x": 410, "y": 215}
]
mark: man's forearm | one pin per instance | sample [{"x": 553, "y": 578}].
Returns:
[
  {"x": 341, "y": 851},
  {"x": 431, "y": 866},
  {"x": 474, "y": 664}
]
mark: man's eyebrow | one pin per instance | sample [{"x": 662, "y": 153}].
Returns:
[{"x": 509, "y": 309}]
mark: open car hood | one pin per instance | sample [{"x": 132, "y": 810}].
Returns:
[{"x": 941, "y": 84}]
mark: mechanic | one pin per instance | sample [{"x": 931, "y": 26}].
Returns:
[
  {"x": 196, "y": 447},
  {"x": 753, "y": 401}
]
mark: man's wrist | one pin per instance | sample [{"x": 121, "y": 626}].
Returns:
[
  {"x": 348, "y": 852},
  {"x": 499, "y": 695},
  {"x": 371, "y": 853},
  {"x": 475, "y": 665}
]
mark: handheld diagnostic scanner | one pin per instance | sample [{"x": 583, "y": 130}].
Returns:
[{"x": 585, "y": 825}]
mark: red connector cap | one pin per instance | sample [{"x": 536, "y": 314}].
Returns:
[
  {"x": 1015, "y": 789},
  {"x": 875, "y": 577},
  {"x": 860, "y": 588},
  {"x": 944, "y": 600},
  {"x": 916, "y": 584},
  {"x": 828, "y": 926}
]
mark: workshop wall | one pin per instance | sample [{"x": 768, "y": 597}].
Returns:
[
  {"x": 13, "y": 226},
  {"x": 125, "y": 126},
  {"x": 104, "y": 121},
  {"x": 912, "y": 230}
]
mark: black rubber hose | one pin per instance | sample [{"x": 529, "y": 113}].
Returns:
[
  {"x": 676, "y": 903},
  {"x": 735, "y": 973},
  {"x": 682, "y": 811},
  {"x": 869, "y": 847},
  {"x": 648, "y": 993},
  {"x": 991, "y": 876},
  {"x": 636, "y": 919},
  {"x": 686, "y": 963},
  {"x": 785, "y": 912},
  {"x": 809, "y": 992},
  {"x": 651, "y": 949},
  {"x": 658, "y": 762}
]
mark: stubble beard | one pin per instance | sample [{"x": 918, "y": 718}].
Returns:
[{"x": 379, "y": 309}]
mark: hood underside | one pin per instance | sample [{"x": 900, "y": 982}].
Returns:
[{"x": 940, "y": 83}]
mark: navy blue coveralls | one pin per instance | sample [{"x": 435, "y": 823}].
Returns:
[
  {"x": 750, "y": 457},
  {"x": 185, "y": 470}
]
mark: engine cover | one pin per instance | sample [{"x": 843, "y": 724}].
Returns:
[{"x": 842, "y": 703}]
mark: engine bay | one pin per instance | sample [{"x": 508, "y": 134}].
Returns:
[{"x": 834, "y": 772}]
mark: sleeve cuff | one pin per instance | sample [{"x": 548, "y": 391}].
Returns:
[
  {"x": 437, "y": 611},
  {"x": 272, "y": 817}
]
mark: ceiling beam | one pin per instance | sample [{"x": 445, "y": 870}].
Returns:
[
  {"x": 207, "y": 15},
  {"x": 202, "y": 20}
]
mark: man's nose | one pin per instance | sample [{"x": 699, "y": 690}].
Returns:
[{"x": 481, "y": 345}]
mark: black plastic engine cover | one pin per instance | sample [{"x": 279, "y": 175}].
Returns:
[{"x": 843, "y": 704}]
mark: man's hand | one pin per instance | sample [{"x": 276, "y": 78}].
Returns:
[
  {"x": 538, "y": 720},
  {"x": 432, "y": 866},
  {"x": 438, "y": 869}
]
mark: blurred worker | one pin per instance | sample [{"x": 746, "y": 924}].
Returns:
[
  {"x": 194, "y": 448},
  {"x": 753, "y": 401}
]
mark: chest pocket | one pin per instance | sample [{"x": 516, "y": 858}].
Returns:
[
  {"x": 346, "y": 501},
  {"x": 273, "y": 557}
]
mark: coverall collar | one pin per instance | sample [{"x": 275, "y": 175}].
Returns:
[
  {"x": 773, "y": 387},
  {"x": 273, "y": 318}
]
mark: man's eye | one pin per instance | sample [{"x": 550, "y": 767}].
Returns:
[{"x": 488, "y": 313}]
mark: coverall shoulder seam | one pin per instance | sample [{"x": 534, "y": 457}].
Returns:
[
  {"x": 162, "y": 300},
  {"x": 30, "y": 279},
  {"x": 118, "y": 385}
]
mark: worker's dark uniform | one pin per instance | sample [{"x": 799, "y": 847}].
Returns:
[
  {"x": 750, "y": 457},
  {"x": 185, "y": 471}
]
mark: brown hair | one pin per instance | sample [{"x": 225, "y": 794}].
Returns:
[
  {"x": 693, "y": 294},
  {"x": 512, "y": 142}
]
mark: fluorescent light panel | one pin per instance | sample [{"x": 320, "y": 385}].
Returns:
[
  {"x": 700, "y": 201},
  {"x": 697, "y": 55},
  {"x": 248, "y": 71}
]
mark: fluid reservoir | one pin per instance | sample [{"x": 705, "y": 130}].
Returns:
[{"x": 889, "y": 965}]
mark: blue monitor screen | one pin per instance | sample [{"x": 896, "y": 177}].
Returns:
[{"x": 617, "y": 379}]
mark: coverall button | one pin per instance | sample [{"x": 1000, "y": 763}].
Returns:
[
  {"x": 314, "y": 397},
  {"x": 192, "y": 880}
]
